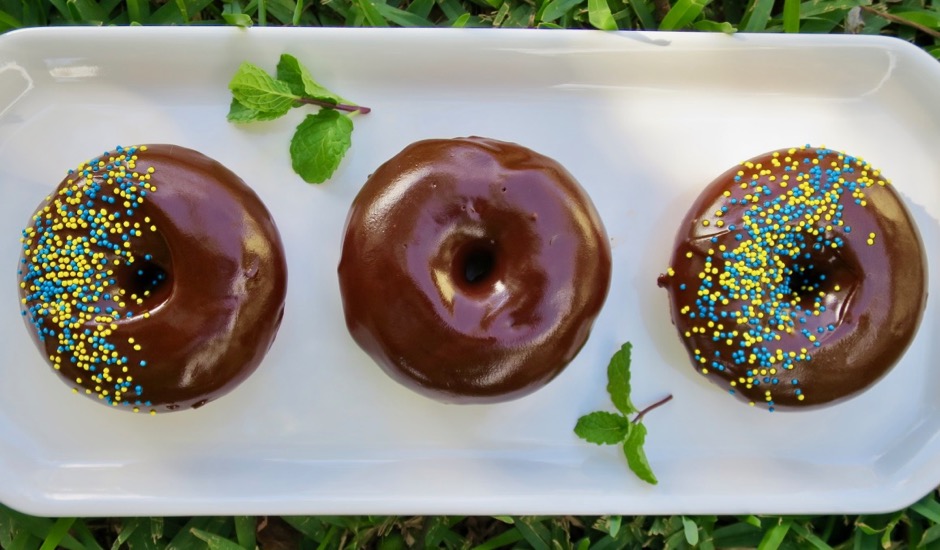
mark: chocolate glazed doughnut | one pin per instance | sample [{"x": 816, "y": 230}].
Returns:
[
  {"x": 472, "y": 269},
  {"x": 153, "y": 279},
  {"x": 798, "y": 278}
]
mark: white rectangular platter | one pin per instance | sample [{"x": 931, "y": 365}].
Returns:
[{"x": 643, "y": 120}]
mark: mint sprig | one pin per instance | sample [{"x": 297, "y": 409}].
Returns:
[
  {"x": 607, "y": 428},
  {"x": 322, "y": 139}
]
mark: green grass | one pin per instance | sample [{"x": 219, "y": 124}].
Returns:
[
  {"x": 917, "y": 21},
  {"x": 915, "y": 527}
]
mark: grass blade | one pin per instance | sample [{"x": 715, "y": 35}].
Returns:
[
  {"x": 501, "y": 14},
  {"x": 215, "y": 542},
  {"x": 599, "y": 15},
  {"x": 184, "y": 13},
  {"x": 690, "y": 530},
  {"x": 791, "y": 16},
  {"x": 865, "y": 542},
  {"x": 371, "y": 14},
  {"x": 452, "y": 8},
  {"x": 814, "y": 8},
  {"x": 311, "y": 526},
  {"x": 74, "y": 13},
  {"x": 557, "y": 8},
  {"x": 57, "y": 533},
  {"x": 128, "y": 528},
  {"x": 186, "y": 538},
  {"x": 803, "y": 532},
  {"x": 774, "y": 537},
  {"x": 330, "y": 533},
  {"x": 84, "y": 534},
  {"x": 7, "y": 21},
  {"x": 929, "y": 508},
  {"x": 520, "y": 17},
  {"x": 534, "y": 533},
  {"x": 924, "y": 18},
  {"x": 737, "y": 535},
  {"x": 644, "y": 14},
  {"x": 613, "y": 525},
  {"x": 22, "y": 541},
  {"x": 137, "y": 11},
  {"x": 404, "y": 18},
  {"x": 245, "y": 531},
  {"x": 61, "y": 7},
  {"x": 421, "y": 8},
  {"x": 40, "y": 528},
  {"x": 682, "y": 14},
  {"x": 504, "y": 539},
  {"x": 757, "y": 15}
]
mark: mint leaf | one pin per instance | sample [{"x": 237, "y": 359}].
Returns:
[
  {"x": 603, "y": 428},
  {"x": 636, "y": 456},
  {"x": 240, "y": 114},
  {"x": 618, "y": 380},
  {"x": 257, "y": 90},
  {"x": 319, "y": 145},
  {"x": 300, "y": 82},
  {"x": 321, "y": 140}
]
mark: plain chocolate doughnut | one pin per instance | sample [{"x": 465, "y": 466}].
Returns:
[{"x": 472, "y": 269}]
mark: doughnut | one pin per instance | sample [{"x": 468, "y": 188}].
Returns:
[
  {"x": 798, "y": 278},
  {"x": 472, "y": 269},
  {"x": 152, "y": 279}
]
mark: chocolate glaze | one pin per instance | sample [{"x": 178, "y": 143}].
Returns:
[
  {"x": 861, "y": 293},
  {"x": 216, "y": 277},
  {"x": 472, "y": 269}
]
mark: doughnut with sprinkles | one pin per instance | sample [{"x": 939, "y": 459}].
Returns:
[
  {"x": 152, "y": 279},
  {"x": 798, "y": 278}
]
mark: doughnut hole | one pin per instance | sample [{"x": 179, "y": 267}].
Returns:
[
  {"x": 475, "y": 264},
  {"x": 147, "y": 283},
  {"x": 150, "y": 281},
  {"x": 826, "y": 278}
]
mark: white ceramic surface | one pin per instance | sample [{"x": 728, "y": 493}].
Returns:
[{"x": 643, "y": 120}]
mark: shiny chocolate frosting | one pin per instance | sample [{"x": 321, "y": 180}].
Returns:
[
  {"x": 472, "y": 269},
  {"x": 153, "y": 279},
  {"x": 798, "y": 278}
]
